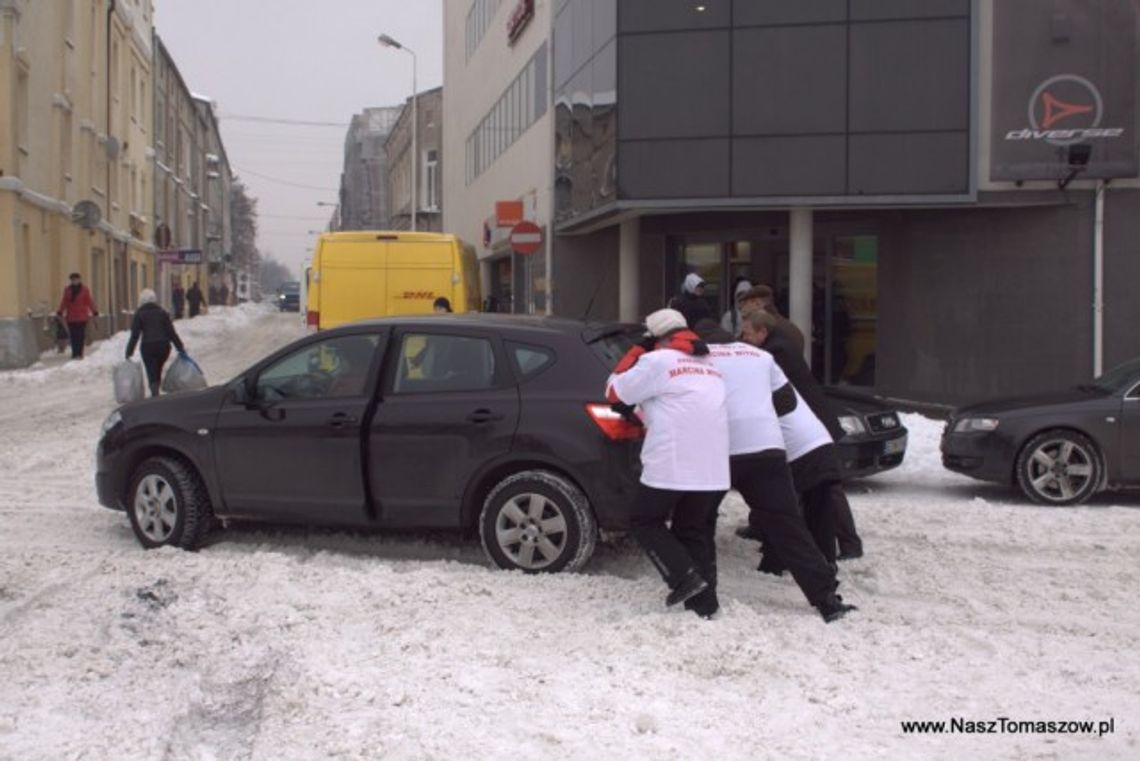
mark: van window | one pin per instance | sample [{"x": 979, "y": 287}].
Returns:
[
  {"x": 333, "y": 368},
  {"x": 434, "y": 363},
  {"x": 530, "y": 360}
]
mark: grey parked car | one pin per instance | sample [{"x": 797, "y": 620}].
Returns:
[{"x": 1059, "y": 448}]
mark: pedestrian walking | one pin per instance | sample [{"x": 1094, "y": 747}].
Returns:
[
  {"x": 811, "y": 452},
  {"x": 684, "y": 457},
  {"x": 691, "y": 302},
  {"x": 153, "y": 332},
  {"x": 76, "y": 308},
  {"x": 178, "y": 300},
  {"x": 757, "y": 395},
  {"x": 730, "y": 322},
  {"x": 194, "y": 299}
]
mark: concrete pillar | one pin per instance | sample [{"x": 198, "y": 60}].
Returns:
[
  {"x": 800, "y": 274},
  {"x": 629, "y": 296}
]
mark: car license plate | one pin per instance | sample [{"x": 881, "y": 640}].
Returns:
[{"x": 894, "y": 446}]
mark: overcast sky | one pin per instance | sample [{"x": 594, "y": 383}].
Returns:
[{"x": 306, "y": 60}]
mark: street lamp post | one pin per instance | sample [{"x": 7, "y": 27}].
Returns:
[{"x": 388, "y": 42}]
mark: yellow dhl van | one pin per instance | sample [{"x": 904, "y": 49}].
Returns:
[{"x": 361, "y": 274}]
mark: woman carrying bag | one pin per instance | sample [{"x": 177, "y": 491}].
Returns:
[{"x": 152, "y": 323}]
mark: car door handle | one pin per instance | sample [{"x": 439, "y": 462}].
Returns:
[
  {"x": 484, "y": 416},
  {"x": 340, "y": 420}
]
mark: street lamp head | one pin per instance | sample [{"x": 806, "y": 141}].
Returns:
[{"x": 388, "y": 42}]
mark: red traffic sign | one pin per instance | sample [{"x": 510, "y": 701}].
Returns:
[{"x": 526, "y": 237}]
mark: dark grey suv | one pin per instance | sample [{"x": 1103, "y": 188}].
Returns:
[{"x": 445, "y": 421}]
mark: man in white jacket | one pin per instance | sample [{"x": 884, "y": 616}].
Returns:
[{"x": 684, "y": 458}]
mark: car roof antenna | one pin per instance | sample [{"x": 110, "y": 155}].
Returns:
[{"x": 590, "y": 304}]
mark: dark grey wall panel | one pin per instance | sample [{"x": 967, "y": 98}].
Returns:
[
  {"x": 964, "y": 295},
  {"x": 584, "y": 265},
  {"x": 664, "y": 15},
  {"x": 768, "y": 166},
  {"x": 925, "y": 162},
  {"x": 790, "y": 80},
  {"x": 910, "y": 75},
  {"x": 673, "y": 169},
  {"x": 1121, "y": 275},
  {"x": 674, "y": 85},
  {"x": 889, "y": 9},
  {"x": 753, "y": 12}
]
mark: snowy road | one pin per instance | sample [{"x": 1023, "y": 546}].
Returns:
[{"x": 295, "y": 644}]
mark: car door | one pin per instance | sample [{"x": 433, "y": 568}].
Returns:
[
  {"x": 293, "y": 449},
  {"x": 449, "y": 404},
  {"x": 1130, "y": 436}
]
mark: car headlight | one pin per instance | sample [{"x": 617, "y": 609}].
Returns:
[
  {"x": 112, "y": 420},
  {"x": 852, "y": 424},
  {"x": 975, "y": 424}
]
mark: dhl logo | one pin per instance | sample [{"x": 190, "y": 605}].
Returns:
[{"x": 418, "y": 295}]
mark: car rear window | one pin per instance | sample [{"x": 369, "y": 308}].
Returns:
[
  {"x": 529, "y": 359},
  {"x": 612, "y": 346}
]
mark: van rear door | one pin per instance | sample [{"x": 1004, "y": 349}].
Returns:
[
  {"x": 419, "y": 272},
  {"x": 354, "y": 281}
]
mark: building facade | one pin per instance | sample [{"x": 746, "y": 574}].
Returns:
[
  {"x": 498, "y": 133},
  {"x": 217, "y": 184},
  {"x": 925, "y": 183},
  {"x": 75, "y": 173},
  {"x": 364, "y": 195},
  {"x": 398, "y": 148}
]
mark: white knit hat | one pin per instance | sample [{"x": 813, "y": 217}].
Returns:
[
  {"x": 664, "y": 321},
  {"x": 692, "y": 282},
  {"x": 147, "y": 296}
]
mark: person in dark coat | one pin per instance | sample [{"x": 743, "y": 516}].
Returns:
[
  {"x": 817, "y": 475},
  {"x": 76, "y": 308},
  {"x": 692, "y": 303},
  {"x": 178, "y": 300},
  {"x": 153, "y": 326},
  {"x": 194, "y": 299},
  {"x": 761, "y": 297}
]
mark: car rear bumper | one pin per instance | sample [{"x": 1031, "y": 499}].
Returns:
[{"x": 865, "y": 456}]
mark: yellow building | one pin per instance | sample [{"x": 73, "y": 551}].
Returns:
[{"x": 75, "y": 134}]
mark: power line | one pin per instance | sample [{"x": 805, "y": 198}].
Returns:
[
  {"x": 280, "y": 181},
  {"x": 287, "y": 216},
  {"x": 291, "y": 122}
]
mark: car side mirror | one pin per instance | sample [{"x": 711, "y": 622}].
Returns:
[{"x": 240, "y": 392}]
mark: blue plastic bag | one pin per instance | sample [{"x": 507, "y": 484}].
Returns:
[{"x": 183, "y": 375}]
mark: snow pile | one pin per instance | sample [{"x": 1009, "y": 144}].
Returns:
[{"x": 303, "y": 644}]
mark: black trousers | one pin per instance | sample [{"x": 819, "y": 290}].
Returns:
[
  {"x": 845, "y": 533},
  {"x": 689, "y": 543},
  {"x": 765, "y": 482},
  {"x": 78, "y": 334},
  {"x": 154, "y": 356},
  {"x": 819, "y": 483}
]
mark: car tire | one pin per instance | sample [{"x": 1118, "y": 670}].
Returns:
[
  {"x": 537, "y": 521},
  {"x": 1059, "y": 467},
  {"x": 168, "y": 505}
]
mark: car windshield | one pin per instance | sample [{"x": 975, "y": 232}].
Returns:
[
  {"x": 291, "y": 288},
  {"x": 612, "y": 346},
  {"x": 1120, "y": 377}
]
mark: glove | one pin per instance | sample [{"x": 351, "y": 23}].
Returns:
[{"x": 627, "y": 412}]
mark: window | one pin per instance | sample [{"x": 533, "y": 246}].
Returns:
[
  {"x": 431, "y": 183},
  {"x": 328, "y": 369},
  {"x": 530, "y": 360},
  {"x": 433, "y": 363}
]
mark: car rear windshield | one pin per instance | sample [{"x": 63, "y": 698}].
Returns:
[
  {"x": 610, "y": 347},
  {"x": 1120, "y": 377}
]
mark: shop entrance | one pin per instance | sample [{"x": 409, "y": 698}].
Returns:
[{"x": 844, "y": 297}]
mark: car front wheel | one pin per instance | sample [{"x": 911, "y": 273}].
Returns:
[
  {"x": 1059, "y": 468},
  {"x": 168, "y": 505},
  {"x": 539, "y": 522}
]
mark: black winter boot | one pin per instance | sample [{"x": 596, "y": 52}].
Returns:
[
  {"x": 833, "y": 608},
  {"x": 690, "y": 585}
]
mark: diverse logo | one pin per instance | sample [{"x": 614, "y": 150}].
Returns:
[{"x": 1064, "y": 110}]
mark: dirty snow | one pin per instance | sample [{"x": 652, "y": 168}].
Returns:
[{"x": 277, "y": 643}]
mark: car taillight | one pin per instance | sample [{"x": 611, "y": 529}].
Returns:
[
  {"x": 613, "y": 425},
  {"x": 313, "y": 319}
]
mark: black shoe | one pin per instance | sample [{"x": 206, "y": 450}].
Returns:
[
  {"x": 851, "y": 554},
  {"x": 704, "y": 604},
  {"x": 767, "y": 566},
  {"x": 690, "y": 586},
  {"x": 833, "y": 608},
  {"x": 748, "y": 532}
]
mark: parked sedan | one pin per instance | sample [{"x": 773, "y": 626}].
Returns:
[
  {"x": 289, "y": 297},
  {"x": 874, "y": 438},
  {"x": 446, "y": 421},
  {"x": 1060, "y": 448}
]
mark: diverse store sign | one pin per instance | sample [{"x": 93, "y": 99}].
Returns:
[{"x": 181, "y": 256}]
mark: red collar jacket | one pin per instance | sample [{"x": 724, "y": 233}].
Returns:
[{"x": 77, "y": 306}]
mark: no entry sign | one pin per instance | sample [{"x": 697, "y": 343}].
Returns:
[{"x": 526, "y": 237}]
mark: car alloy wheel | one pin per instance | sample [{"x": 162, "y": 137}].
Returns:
[
  {"x": 1059, "y": 468},
  {"x": 537, "y": 521},
  {"x": 168, "y": 504}
]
